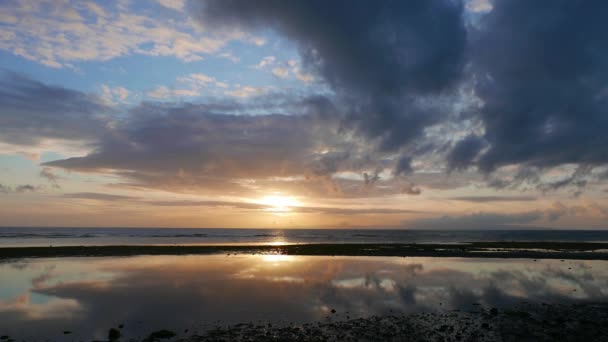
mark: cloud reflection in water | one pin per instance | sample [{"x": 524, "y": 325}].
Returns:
[{"x": 42, "y": 298}]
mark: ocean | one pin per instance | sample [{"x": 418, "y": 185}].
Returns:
[{"x": 20, "y": 236}]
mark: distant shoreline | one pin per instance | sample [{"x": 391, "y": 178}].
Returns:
[{"x": 528, "y": 250}]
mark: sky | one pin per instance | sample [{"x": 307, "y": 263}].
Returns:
[{"x": 422, "y": 114}]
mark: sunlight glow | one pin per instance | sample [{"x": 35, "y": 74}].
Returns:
[{"x": 279, "y": 203}]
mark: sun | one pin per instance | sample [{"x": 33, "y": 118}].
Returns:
[{"x": 279, "y": 203}]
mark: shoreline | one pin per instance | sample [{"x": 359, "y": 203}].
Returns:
[
  {"x": 527, "y": 250},
  {"x": 537, "y": 322}
]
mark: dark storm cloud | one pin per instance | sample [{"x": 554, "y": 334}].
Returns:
[
  {"x": 380, "y": 58},
  {"x": 32, "y": 111},
  {"x": 541, "y": 71},
  {"x": 464, "y": 152},
  {"x": 394, "y": 68}
]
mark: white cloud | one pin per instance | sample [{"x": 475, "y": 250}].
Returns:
[
  {"x": 479, "y": 5},
  {"x": 160, "y": 92},
  {"x": 280, "y": 72},
  {"x": 96, "y": 9},
  {"x": 258, "y": 41},
  {"x": 246, "y": 91},
  {"x": 59, "y": 33},
  {"x": 177, "y": 5},
  {"x": 298, "y": 73},
  {"x": 229, "y": 56},
  {"x": 165, "y": 93},
  {"x": 199, "y": 79},
  {"x": 266, "y": 61},
  {"x": 302, "y": 76},
  {"x": 193, "y": 85},
  {"x": 114, "y": 95}
]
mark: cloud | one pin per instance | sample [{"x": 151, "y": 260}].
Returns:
[
  {"x": 33, "y": 111},
  {"x": 280, "y": 72},
  {"x": 5, "y": 189},
  {"x": 229, "y": 204},
  {"x": 479, "y": 5},
  {"x": 266, "y": 61},
  {"x": 220, "y": 147},
  {"x": 246, "y": 91},
  {"x": 241, "y": 205},
  {"x": 164, "y": 93},
  {"x": 388, "y": 55},
  {"x": 354, "y": 211},
  {"x": 47, "y": 173},
  {"x": 194, "y": 146},
  {"x": 404, "y": 166},
  {"x": 177, "y": 5},
  {"x": 410, "y": 189},
  {"x": 481, "y": 220},
  {"x": 542, "y": 83},
  {"x": 114, "y": 95},
  {"x": 19, "y": 188},
  {"x": 464, "y": 152},
  {"x": 496, "y": 220},
  {"x": 60, "y": 33},
  {"x": 484, "y": 199},
  {"x": 97, "y": 196}
]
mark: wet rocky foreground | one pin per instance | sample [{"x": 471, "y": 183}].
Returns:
[{"x": 529, "y": 322}]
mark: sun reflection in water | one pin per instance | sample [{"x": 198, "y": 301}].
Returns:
[
  {"x": 277, "y": 243},
  {"x": 277, "y": 258}
]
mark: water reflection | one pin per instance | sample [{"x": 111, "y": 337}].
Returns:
[{"x": 42, "y": 298}]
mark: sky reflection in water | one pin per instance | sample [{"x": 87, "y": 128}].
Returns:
[{"x": 42, "y": 298}]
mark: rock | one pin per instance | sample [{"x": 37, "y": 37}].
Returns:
[
  {"x": 67, "y": 332},
  {"x": 161, "y": 334},
  {"x": 113, "y": 334}
]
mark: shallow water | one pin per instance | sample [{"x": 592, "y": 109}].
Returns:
[{"x": 42, "y": 298}]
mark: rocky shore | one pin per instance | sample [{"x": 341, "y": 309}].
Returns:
[
  {"x": 530, "y": 250},
  {"x": 529, "y": 322}
]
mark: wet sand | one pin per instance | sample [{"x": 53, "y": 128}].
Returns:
[{"x": 530, "y": 250}]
